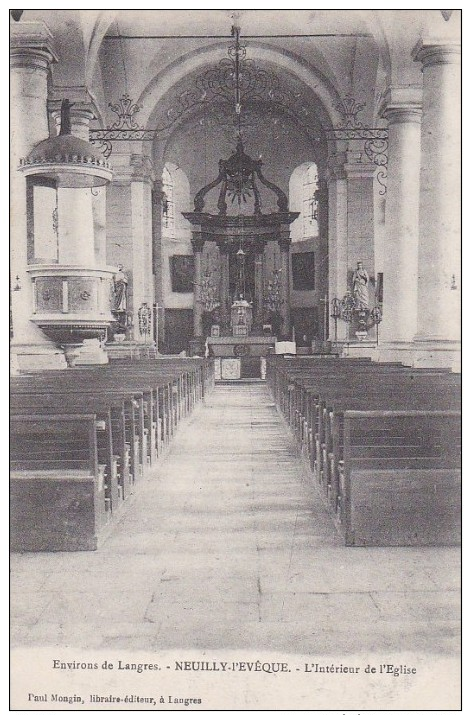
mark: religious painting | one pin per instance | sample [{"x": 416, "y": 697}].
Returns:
[
  {"x": 303, "y": 268},
  {"x": 182, "y": 271}
]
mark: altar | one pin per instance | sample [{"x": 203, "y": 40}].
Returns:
[
  {"x": 241, "y": 357},
  {"x": 242, "y": 267}
]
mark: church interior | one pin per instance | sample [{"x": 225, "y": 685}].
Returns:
[{"x": 235, "y": 331}]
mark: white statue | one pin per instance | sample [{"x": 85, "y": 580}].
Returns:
[
  {"x": 120, "y": 291},
  {"x": 360, "y": 287}
]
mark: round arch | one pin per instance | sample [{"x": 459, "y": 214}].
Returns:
[
  {"x": 327, "y": 108},
  {"x": 163, "y": 82}
]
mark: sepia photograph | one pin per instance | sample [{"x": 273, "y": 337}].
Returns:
[{"x": 235, "y": 359}]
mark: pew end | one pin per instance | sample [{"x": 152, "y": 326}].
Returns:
[{"x": 56, "y": 510}]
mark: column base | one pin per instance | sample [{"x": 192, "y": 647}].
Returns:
[
  {"x": 437, "y": 352},
  {"x": 34, "y": 358},
  {"x": 396, "y": 351},
  {"x": 91, "y": 352}
]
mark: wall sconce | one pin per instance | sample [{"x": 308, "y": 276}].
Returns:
[{"x": 17, "y": 284}]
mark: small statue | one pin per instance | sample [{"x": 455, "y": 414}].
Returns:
[
  {"x": 360, "y": 287},
  {"x": 120, "y": 283}
]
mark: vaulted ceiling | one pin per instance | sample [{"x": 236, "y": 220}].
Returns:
[{"x": 159, "y": 58}]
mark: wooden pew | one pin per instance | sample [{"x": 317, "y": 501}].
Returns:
[
  {"x": 393, "y": 501},
  {"x": 140, "y": 406},
  {"x": 127, "y": 411},
  {"x": 314, "y": 397},
  {"x": 116, "y": 438},
  {"x": 330, "y": 456},
  {"x": 57, "y": 495}
]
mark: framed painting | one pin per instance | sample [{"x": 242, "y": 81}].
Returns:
[
  {"x": 182, "y": 270},
  {"x": 303, "y": 268}
]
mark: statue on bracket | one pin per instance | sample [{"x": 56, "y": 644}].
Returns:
[
  {"x": 360, "y": 282},
  {"x": 120, "y": 298},
  {"x": 120, "y": 291}
]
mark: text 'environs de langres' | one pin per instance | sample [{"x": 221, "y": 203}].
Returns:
[{"x": 240, "y": 666}]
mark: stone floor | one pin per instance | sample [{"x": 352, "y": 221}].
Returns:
[{"x": 227, "y": 546}]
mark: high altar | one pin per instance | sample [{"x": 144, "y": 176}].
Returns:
[{"x": 240, "y": 315}]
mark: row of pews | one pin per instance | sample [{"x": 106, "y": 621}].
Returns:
[
  {"x": 82, "y": 439},
  {"x": 383, "y": 444}
]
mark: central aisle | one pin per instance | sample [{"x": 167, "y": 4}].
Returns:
[{"x": 226, "y": 546}]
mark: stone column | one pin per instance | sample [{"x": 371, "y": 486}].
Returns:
[
  {"x": 322, "y": 259},
  {"x": 30, "y": 60},
  {"x": 157, "y": 240},
  {"x": 402, "y": 108},
  {"x": 141, "y": 232},
  {"x": 284, "y": 243},
  {"x": 337, "y": 233},
  {"x": 438, "y": 306},
  {"x": 198, "y": 244},
  {"x": 258, "y": 280},
  {"x": 224, "y": 251}
]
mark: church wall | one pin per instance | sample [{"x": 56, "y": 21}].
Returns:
[
  {"x": 361, "y": 227},
  {"x": 178, "y": 241},
  {"x": 171, "y": 299},
  {"x": 119, "y": 229},
  {"x": 197, "y": 149},
  {"x": 379, "y": 228},
  {"x": 142, "y": 288},
  {"x": 118, "y": 224}
]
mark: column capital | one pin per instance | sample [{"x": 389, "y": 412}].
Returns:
[
  {"x": 401, "y": 104},
  {"x": 142, "y": 168},
  {"x": 31, "y": 46},
  {"x": 197, "y": 243},
  {"x": 360, "y": 170},
  {"x": 437, "y": 52},
  {"x": 284, "y": 243},
  {"x": 77, "y": 94},
  {"x": 336, "y": 166}
]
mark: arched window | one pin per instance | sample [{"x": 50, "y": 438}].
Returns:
[
  {"x": 303, "y": 188},
  {"x": 310, "y": 202},
  {"x": 168, "y": 205}
]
